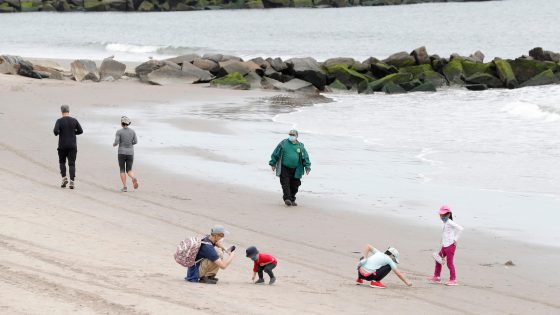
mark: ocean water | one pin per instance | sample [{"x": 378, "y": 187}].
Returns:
[
  {"x": 507, "y": 28},
  {"x": 493, "y": 156}
]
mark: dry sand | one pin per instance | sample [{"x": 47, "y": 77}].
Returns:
[{"x": 95, "y": 250}]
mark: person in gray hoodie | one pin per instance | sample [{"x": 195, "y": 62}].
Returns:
[{"x": 126, "y": 139}]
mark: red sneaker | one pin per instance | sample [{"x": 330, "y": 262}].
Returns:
[
  {"x": 359, "y": 281},
  {"x": 377, "y": 285}
]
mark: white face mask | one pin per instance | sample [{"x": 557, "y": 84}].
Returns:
[{"x": 292, "y": 138}]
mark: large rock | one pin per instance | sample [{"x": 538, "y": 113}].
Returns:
[
  {"x": 104, "y": 5},
  {"x": 234, "y": 80},
  {"x": 470, "y": 67},
  {"x": 8, "y": 65},
  {"x": 83, "y": 69},
  {"x": 261, "y": 62},
  {"x": 505, "y": 73},
  {"x": 295, "y": 85},
  {"x": 16, "y": 65},
  {"x": 308, "y": 69},
  {"x": 486, "y": 79},
  {"x": 544, "y": 55},
  {"x": 453, "y": 72},
  {"x": 392, "y": 88},
  {"x": 31, "y": 5},
  {"x": 424, "y": 87},
  {"x": 213, "y": 57},
  {"x": 543, "y": 78},
  {"x": 242, "y": 67},
  {"x": 169, "y": 74},
  {"x": 396, "y": 78},
  {"x": 180, "y": 60},
  {"x": 149, "y": 66},
  {"x": 146, "y": 6},
  {"x": 349, "y": 62},
  {"x": 421, "y": 55},
  {"x": 477, "y": 56},
  {"x": 7, "y": 8},
  {"x": 380, "y": 69},
  {"x": 276, "y": 3},
  {"x": 277, "y": 64},
  {"x": 425, "y": 73},
  {"x": 111, "y": 69},
  {"x": 400, "y": 59},
  {"x": 206, "y": 64},
  {"x": 525, "y": 69},
  {"x": 194, "y": 71},
  {"x": 347, "y": 76}
]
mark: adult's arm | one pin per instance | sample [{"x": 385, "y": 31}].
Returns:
[
  {"x": 306, "y": 160},
  {"x": 56, "y": 129},
  {"x": 117, "y": 139},
  {"x": 79, "y": 129},
  {"x": 402, "y": 277},
  {"x": 224, "y": 263},
  {"x": 134, "y": 139},
  {"x": 367, "y": 249},
  {"x": 275, "y": 155}
]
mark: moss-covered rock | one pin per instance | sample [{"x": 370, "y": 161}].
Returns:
[
  {"x": 380, "y": 69},
  {"x": 396, "y": 78},
  {"x": 433, "y": 78},
  {"x": 486, "y": 79},
  {"x": 477, "y": 87},
  {"x": 146, "y": 6},
  {"x": 7, "y": 8},
  {"x": 303, "y": 3},
  {"x": 276, "y": 3},
  {"x": 525, "y": 69},
  {"x": 233, "y": 80},
  {"x": 254, "y": 4},
  {"x": 31, "y": 5},
  {"x": 505, "y": 73},
  {"x": 410, "y": 85},
  {"x": 543, "y": 78},
  {"x": 400, "y": 60},
  {"x": 392, "y": 88},
  {"x": 416, "y": 70},
  {"x": 425, "y": 87},
  {"x": 347, "y": 76},
  {"x": 471, "y": 67},
  {"x": 453, "y": 72},
  {"x": 337, "y": 86}
]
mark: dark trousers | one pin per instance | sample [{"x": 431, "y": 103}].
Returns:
[
  {"x": 266, "y": 268},
  {"x": 378, "y": 275},
  {"x": 69, "y": 154},
  {"x": 125, "y": 162},
  {"x": 290, "y": 184}
]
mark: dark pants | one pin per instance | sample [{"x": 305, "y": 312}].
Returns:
[
  {"x": 378, "y": 275},
  {"x": 290, "y": 184},
  {"x": 125, "y": 162},
  {"x": 69, "y": 154},
  {"x": 266, "y": 268}
]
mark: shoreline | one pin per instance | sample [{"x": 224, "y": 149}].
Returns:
[{"x": 127, "y": 267}]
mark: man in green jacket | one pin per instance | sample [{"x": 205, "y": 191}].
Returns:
[{"x": 289, "y": 160}]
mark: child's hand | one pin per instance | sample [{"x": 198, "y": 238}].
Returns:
[{"x": 253, "y": 278}]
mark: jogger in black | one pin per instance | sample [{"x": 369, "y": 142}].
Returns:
[
  {"x": 66, "y": 128},
  {"x": 290, "y": 184}
]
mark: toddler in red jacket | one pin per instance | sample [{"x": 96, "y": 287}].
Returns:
[{"x": 262, "y": 263}]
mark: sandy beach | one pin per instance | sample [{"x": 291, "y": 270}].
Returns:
[{"x": 95, "y": 250}]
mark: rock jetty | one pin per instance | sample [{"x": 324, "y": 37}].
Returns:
[
  {"x": 402, "y": 72},
  {"x": 10, "y": 6}
]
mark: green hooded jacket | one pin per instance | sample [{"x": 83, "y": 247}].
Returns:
[{"x": 276, "y": 159}]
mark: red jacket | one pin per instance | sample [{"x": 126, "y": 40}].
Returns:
[{"x": 264, "y": 259}]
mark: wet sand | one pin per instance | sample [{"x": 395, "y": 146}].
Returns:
[{"x": 96, "y": 250}]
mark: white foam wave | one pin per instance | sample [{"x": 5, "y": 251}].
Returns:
[
  {"x": 130, "y": 48},
  {"x": 531, "y": 111}
]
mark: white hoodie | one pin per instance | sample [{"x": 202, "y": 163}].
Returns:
[{"x": 451, "y": 233}]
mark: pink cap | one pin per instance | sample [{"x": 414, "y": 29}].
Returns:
[{"x": 444, "y": 210}]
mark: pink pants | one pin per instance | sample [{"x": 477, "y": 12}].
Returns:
[{"x": 447, "y": 252}]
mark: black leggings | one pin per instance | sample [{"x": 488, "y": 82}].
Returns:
[
  {"x": 266, "y": 268},
  {"x": 377, "y": 275},
  {"x": 125, "y": 162}
]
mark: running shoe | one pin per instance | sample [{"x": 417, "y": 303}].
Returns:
[
  {"x": 377, "y": 285},
  {"x": 294, "y": 204},
  {"x": 71, "y": 186},
  {"x": 288, "y": 202},
  {"x": 64, "y": 182},
  {"x": 272, "y": 280},
  {"x": 434, "y": 279},
  {"x": 359, "y": 281},
  {"x": 261, "y": 280},
  {"x": 124, "y": 189},
  {"x": 451, "y": 283}
]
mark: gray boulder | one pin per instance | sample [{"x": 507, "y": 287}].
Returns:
[
  {"x": 400, "y": 60},
  {"x": 180, "y": 60},
  {"x": 277, "y": 64},
  {"x": 308, "y": 69},
  {"x": 478, "y": 56},
  {"x": 544, "y": 55},
  {"x": 295, "y": 85},
  {"x": 83, "y": 69},
  {"x": 231, "y": 66},
  {"x": 193, "y": 71},
  {"x": 421, "y": 55},
  {"x": 261, "y": 62},
  {"x": 213, "y": 57},
  {"x": 339, "y": 61},
  {"x": 486, "y": 79},
  {"x": 206, "y": 64},
  {"x": 148, "y": 67},
  {"x": 8, "y": 65},
  {"x": 168, "y": 74},
  {"x": 111, "y": 68},
  {"x": 543, "y": 78}
]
